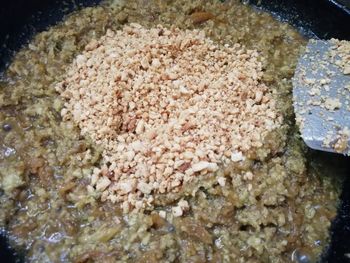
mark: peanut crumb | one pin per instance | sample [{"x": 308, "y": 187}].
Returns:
[
  {"x": 222, "y": 181},
  {"x": 162, "y": 214}
]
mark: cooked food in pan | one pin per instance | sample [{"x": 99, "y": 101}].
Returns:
[{"x": 160, "y": 131}]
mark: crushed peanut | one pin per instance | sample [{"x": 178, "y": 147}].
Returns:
[
  {"x": 341, "y": 51},
  {"x": 181, "y": 207},
  {"x": 342, "y": 140},
  {"x": 165, "y": 105}
]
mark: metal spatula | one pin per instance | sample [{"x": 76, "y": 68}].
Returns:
[{"x": 321, "y": 95}]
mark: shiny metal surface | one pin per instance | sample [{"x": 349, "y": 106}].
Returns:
[{"x": 317, "y": 79}]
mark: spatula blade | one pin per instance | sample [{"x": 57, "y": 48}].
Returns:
[{"x": 321, "y": 98}]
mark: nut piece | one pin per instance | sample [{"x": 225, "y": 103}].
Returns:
[
  {"x": 144, "y": 188},
  {"x": 204, "y": 166},
  {"x": 332, "y": 104},
  {"x": 181, "y": 207},
  {"x": 162, "y": 214},
  {"x": 237, "y": 157},
  {"x": 102, "y": 183},
  {"x": 177, "y": 211},
  {"x": 222, "y": 181},
  {"x": 127, "y": 186}
]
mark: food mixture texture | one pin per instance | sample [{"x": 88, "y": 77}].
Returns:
[
  {"x": 141, "y": 95},
  {"x": 266, "y": 202}
]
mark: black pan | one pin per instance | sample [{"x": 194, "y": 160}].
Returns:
[{"x": 21, "y": 19}]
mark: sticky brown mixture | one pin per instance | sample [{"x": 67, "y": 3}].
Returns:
[
  {"x": 265, "y": 207},
  {"x": 140, "y": 94}
]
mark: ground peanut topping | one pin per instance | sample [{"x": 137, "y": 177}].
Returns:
[
  {"x": 341, "y": 50},
  {"x": 165, "y": 106}
]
